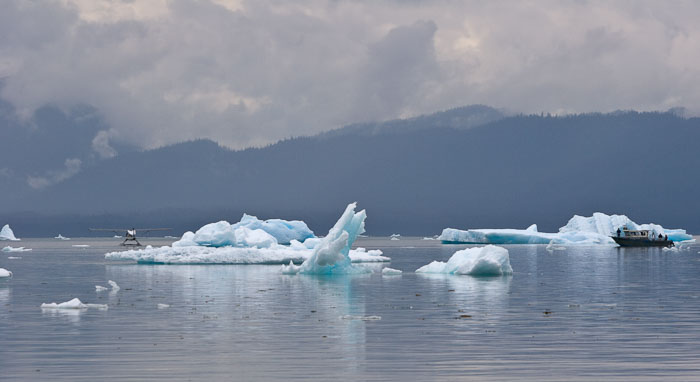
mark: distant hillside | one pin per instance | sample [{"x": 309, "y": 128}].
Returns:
[{"x": 417, "y": 179}]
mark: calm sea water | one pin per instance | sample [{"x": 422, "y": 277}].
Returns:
[{"x": 584, "y": 313}]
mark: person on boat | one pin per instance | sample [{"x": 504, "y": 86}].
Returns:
[
  {"x": 666, "y": 237},
  {"x": 618, "y": 232},
  {"x": 660, "y": 237}
]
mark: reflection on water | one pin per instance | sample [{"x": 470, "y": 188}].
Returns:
[{"x": 597, "y": 313}]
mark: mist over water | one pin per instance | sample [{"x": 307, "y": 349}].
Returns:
[{"x": 584, "y": 313}]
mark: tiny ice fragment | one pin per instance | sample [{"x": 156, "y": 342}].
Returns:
[{"x": 391, "y": 272}]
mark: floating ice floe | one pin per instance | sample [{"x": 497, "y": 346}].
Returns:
[
  {"x": 80, "y": 246},
  {"x": 5, "y": 273},
  {"x": 61, "y": 237},
  {"x": 15, "y": 249},
  {"x": 390, "y": 271},
  {"x": 72, "y": 304},
  {"x": 596, "y": 229},
  {"x": 349, "y": 317},
  {"x": 331, "y": 255},
  {"x": 115, "y": 287},
  {"x": 481, "y": 261},
  {"x": 7, "y": 234},
  {"x": 14, "y": 257},
  {"x": 163, "y": 306},
  {"x": 251, "y": 246}
]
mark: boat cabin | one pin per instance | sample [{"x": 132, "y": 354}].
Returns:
[{"x": 635, "y": 234}]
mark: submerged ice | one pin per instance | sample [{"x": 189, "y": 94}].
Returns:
[
  {"x": 7, "y": 234},
  {"x": 481, "y": 261},
  {"x": 223, "y": 243},
  {"x": 596, "y": 229}
]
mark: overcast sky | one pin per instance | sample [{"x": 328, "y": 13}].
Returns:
[{"x": 252, "y": 72}]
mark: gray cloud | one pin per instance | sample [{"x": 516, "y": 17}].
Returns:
[
  {"x": 71, "y": 167},
  {"x": 252, "y": 72}
]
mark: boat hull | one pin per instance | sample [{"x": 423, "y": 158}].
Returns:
[{"x": 628, "y": 242}]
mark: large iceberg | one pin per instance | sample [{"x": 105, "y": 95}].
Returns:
[
  {"x": 480, "y": 261},
  {"x": 7, "y": 234},
  {"x": 249, "y": 232},
  {"x": 496, "y": 236},
  {"x": 596, "y": 229},
  {"x": 607, "y": 225},
  {"x": 331, "y": 255},
  {"x": 246, "y": 246}
]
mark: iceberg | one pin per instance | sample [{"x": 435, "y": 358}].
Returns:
[
  {"x": 248, "y": 246},
  {"x": 283, "y": 230},
  {"x": 390, "y": 272},
  {"x": 607, "y": 225},
  {"x": 15, "y": 249},
  {"x": 5, "y": 273},
  {"x": 496, "y": 236},
  {"x": 331, "y": 255},
  {"x": 596, "y": 229},
  {"x": 73, "y": 304},
  {"x": 249, "y": 232},
  {"x": 480, "y": 261},
  {"x": 7, "y": 234}
]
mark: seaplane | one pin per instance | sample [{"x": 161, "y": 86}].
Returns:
[{"x": 129, "y": 234}]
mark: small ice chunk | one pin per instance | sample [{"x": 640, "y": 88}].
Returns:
[
  {"x": 360, "y": 318},
  {"x": 16, "y": 249},
  {"x": 14, "y": 257},
  {"x": 391, "y": 272},
  {"x": 72, "y": 304},
  {"x": 7, "y": 234},
  {"x": 5, "y": 273},
  {"x": 61, "y": 237},
  {"x": 98, "y": 306},
  {"x": 480, "y": 261},
  {"x": 429, "y": 238},
  {"x": 114, "y": 285},
  {"x": 100, "y": 288},
  {"x": 394, "y": 238},
  {"x": 163, "y": 306},
  {"x": 80, "y": 246}
]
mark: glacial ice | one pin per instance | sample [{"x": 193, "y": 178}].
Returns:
[
  {"x": 15, "y": 249},
  {"x": 278, "y": 254},
  {"x": 331, "y": 254},
  {"x": 390, "y": 271},
  {"x": 7, "y": 234},
  {"x": 480, "y": 261},
  {"x": 5, "y": 273},
  {"x": 250, "y": 246},
  {"x": 608, "y": 224},
  {"x": 72, "y": 304},
  {"x": 595, "y": 229},
  {"x": 249, "y": 232}
]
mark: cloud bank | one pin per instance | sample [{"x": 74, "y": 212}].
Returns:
[{"x": 249, "y": 73}]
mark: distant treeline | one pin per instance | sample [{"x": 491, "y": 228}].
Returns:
[{"x": 465, "y": 168}]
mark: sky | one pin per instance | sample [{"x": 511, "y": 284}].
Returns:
[{"x": 249, "y": 73}]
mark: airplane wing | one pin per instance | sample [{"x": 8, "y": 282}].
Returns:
[
  {"x": 115, "y": 230},
  {"x": 147, "y": 230}
]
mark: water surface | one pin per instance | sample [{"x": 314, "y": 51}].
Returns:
[{"x": 584, "y": 313}]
